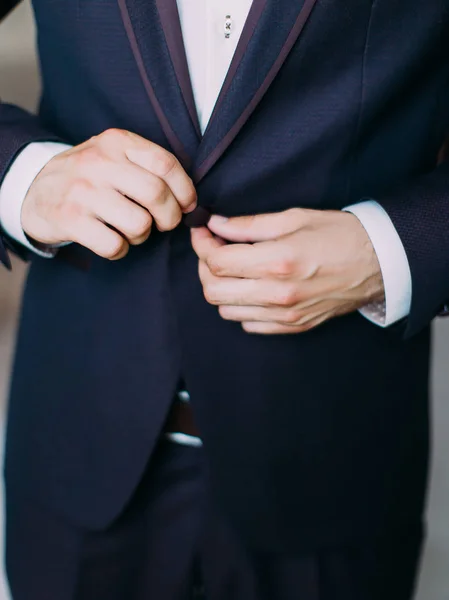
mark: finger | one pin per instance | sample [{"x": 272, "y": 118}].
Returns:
[
  {"x": 290, "y": 317},
  {"x": 280, "y": 329},
  {"x": 204, "y": 243},
  {"x": 151, "y": 192},
  {"x": 269, "y": 328},
  {"x": 129, "y": 218},
  {"x": 241, "y": 292},
  {"x": 251, "y": 261},
  {"x": 164, "y": 165},
  {"x": 97, "y": 237},
  {"x": 283, "y": 316},
  {"x": 258, "y": 228}
]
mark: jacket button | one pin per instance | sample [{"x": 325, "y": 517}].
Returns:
[{"x": 198, "y": 217}]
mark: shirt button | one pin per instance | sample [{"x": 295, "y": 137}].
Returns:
[
  {"x": 184, "y": 396},
  {"x": 228, "y": 26}
]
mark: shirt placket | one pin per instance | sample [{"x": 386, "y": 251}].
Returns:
[{"x": 220, "y": 50}]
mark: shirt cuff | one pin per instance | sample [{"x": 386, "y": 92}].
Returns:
[
  {"x": 21, "y": 174},
  {"x": 393, "y": 264}
]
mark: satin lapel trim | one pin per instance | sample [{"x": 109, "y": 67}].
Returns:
[
  {"x": 171, "y": 24},
  {"x": 253, "y": 20},
  {"x": 169, "y": 133}
]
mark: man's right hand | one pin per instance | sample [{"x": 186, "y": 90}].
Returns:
[{"x": 106, "y": 193}]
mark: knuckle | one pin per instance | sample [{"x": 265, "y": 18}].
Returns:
[
  {"x": 214, "y": 266},
  {"x": 283, "y": 267},
  {"x": 137, "y": 241},
  {"x": 210, "y": 294},
  {"x": 287, "y": 296},
  {"x": 191, "y": 195},
  {"x": 293, "y": 316},
  {"x": 140, "y": 225},
  {"x": 87, "y": 156},
  {"x": 166, "y": 162},
  {"x": 169, "y": 225},
  {"x": 294, "y": 212},
  {"x": 297, "y": 215},
  {"x": 158, "y": 191},
  {"x": 170, "y": 221},
  {"x": 113, "y": 135},
  {"x": 224, "y": 312},
  {"x": 113, "y": 249}
]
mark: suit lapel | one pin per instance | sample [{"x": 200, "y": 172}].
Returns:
[
  {"x": 155, "y": 36},
  {"x": 170, "y": 21},
  {"x": 272, "y": 28}
]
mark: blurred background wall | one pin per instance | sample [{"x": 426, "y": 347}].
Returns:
[{"x": 19, "y": 83}]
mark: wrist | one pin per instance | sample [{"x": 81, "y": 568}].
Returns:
[
  {"x": 376, "y": 286},
  {"x": 38, "y": 229},
  {"x": 15, "y": 189},
  {"x": 395, "y": 300},
  {"x": 370, "y": 272}
]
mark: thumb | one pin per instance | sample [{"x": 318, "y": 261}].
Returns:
[
  {"x": 258, "y": 228},
  {"x": 204, "y": 242}
]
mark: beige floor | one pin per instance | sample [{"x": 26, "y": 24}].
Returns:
[{"x": 19, "y": 83}]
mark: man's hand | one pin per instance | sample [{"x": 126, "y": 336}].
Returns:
[
  {"x": 106, "y": 193},
  {"x": 287, "y": 272}
]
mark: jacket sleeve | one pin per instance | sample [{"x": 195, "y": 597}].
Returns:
[
  {"x": 18, "y": 128},
  {"x": 420, "y": 213}
]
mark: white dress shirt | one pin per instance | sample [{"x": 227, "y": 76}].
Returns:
[{"x": 210, "y": 46}]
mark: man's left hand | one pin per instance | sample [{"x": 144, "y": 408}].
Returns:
[{"x": 287, "y": 272}]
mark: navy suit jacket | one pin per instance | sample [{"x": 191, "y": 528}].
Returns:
[{"x": 312, "y": 439}]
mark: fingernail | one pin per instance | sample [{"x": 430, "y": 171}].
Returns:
[
  {"x": 218, "y": 220},
  {"x": 190, "y": 208}
]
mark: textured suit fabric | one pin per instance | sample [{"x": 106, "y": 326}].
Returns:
[
  {"x": 313, "y": 439},
  {"x": 171, "y": 543}
]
